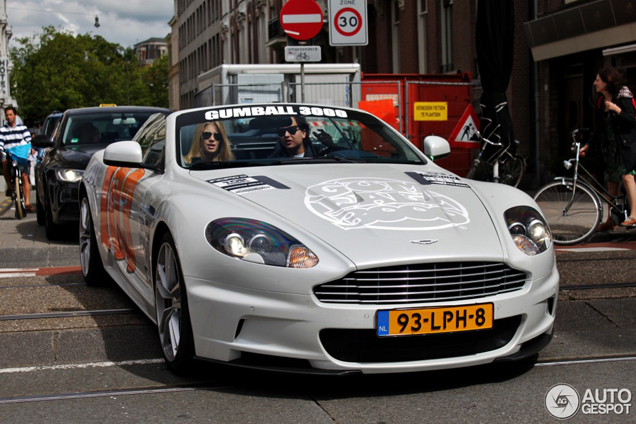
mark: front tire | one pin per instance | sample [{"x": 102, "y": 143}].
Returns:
[
  {"x": 171, "y": 308},
  {"x": 39, "y": 210},
  {"x": 52, "y": 230},
  {"x": 20, "y": 209},
  {"x": 90, "y": 260},
  {"x": 576, "y": 224}
]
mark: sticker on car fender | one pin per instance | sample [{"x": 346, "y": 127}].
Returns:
[
  {"x": 240, "y": 184},
  {"x": 428, "y": 178},
  {"x": 403, "y": 322}
]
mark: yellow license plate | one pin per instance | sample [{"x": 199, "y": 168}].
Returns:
[{"x": 400, "y": 322}]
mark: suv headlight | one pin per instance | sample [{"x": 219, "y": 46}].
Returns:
[
  {"x": 258, "y": 242},
  {"x": 528, "y": 230},
  {"x": 69, "y": 175}
]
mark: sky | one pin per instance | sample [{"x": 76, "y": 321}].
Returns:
[{"x": 124, "y": 22}]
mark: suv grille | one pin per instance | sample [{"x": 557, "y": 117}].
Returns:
[{"x": 422, "y": 283}]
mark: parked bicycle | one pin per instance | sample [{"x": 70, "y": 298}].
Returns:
[
  {"x": 17, "y": 193},
  {"x": 504, "y": 168},
  {"x": 573, "y": 206}
]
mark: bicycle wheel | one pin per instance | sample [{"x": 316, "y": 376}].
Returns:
[
  {"x": 579, "y": 221},
  {"x": 511, "y": 171},
  {"x": 20, "y": 209}
]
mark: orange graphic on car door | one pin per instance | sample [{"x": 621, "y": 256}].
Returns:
[{"x": 116, "y": 203}]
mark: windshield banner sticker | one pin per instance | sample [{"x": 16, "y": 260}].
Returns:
[
  {"x": 427, "y": 178},
  {"x": 248, "y": 111},
  {"x": 385, "y": 204},
  {"x": 240, "y": 184}
]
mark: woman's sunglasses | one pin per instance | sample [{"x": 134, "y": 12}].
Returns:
[
  {"x": 207, "y": 134},
  {"x": 291, "y": 130}
]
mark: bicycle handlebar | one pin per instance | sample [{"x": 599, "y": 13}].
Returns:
[{"x": 492, "y": 143}]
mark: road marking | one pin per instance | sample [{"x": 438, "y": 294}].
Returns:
[
  {"x": 104, "y": 364},
  {"x": 39, "y": 272},
  {"x": 5, "y": 206},
  {"x": 585, "y": 361},
  {"x": 590, "y": 249}
]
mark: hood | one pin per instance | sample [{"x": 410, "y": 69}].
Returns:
[
  {"x": 410, "y": 212},
  {"x": 78, "y": 156}
]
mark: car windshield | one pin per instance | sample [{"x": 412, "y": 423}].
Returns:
[
  {"x": 103, "y": 127},
  {"x": 257, "y": 135}
]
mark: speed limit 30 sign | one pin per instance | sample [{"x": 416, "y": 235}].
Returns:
[{"x": 348, "y": 23}]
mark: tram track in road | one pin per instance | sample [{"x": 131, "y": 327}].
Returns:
[
  {"x": 598, "y": 286},
  {"x": 67, "y": 314},
  {"x": 34, "y": 272},
  {"x": 109, "y": 393},
  {"x": 212, "y": 385}
]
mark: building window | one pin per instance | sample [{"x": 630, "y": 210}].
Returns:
[
  {"x": 422, "y": 30},
  {"x": 395, "y": 32},
  {"x": 447, "y": 36}
]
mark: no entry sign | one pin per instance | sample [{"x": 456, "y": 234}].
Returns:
[
  {"x": 301, "y": 19},
  {"x": 348, "y": 23}
]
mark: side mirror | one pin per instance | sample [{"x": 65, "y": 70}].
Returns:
[
  {"x": 436, "y": 147},
  {"x": 123, "y": 153},
  {"x": 41, "y": 141}
]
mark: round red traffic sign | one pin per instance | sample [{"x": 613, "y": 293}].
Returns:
[
  {"x": 348, "y": 22},
  {"x": 301, "y": 19}
]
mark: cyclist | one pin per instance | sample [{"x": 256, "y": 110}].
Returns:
[{"x": 16, "y": 139}]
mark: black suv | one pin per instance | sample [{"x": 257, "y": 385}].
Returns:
[
  {"x": 81, "y": 133},
  {"x": 50, "y": 122}
]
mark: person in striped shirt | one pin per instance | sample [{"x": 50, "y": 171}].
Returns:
[{"x": 13, "y": 135}]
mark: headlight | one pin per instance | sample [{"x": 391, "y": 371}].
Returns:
[
  {"x": 258, "y": 242},
  {"x": 528, "y": 229},
  {"x": 69, "y": 175}
]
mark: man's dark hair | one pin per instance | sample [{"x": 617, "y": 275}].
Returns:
[
  {"x": 11, "y": 108},
  {"x": 302, "y": 123}
]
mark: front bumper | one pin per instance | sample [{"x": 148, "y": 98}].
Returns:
[{"x": 232, "y": 324}]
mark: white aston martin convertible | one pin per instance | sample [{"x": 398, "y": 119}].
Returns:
[{"x": 315, "y": 239}]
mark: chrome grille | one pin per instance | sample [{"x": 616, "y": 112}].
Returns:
[{"x": 438, "y": 282}]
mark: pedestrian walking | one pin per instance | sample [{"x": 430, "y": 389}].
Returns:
[{"x": 615, "y": 133}]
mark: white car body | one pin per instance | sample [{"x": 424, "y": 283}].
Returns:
[{"x": 353, "y": 217}]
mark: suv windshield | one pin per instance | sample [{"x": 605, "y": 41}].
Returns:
[
  {"x": 103, "y": 127},
  {"x": 280, "y": 134}
]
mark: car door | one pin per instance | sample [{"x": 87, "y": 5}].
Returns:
[{"x": 131, "y": 208}]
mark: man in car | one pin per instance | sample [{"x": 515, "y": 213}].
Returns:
[
  {"x": 294, "y": 140},
  {"x": 14, "y": 135},
  {"x": 87, "y": 133}
]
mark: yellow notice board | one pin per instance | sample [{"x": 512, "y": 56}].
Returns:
[{"x": 430, "y": 111}]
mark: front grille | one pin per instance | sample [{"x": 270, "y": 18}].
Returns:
[
  {"x": 440, "y": 282},
  {"x": 365, "y": 346}
]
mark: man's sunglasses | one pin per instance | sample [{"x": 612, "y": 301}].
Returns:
[
  {"x": 291, "y": 130},
  {"x": 207, "y": 134}
]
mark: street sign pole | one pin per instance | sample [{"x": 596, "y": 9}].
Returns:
[
  {"x": 301, "y": 20},
  {"x": 302, "y": 82}
]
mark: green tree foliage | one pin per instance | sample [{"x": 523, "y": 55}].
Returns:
[{"x": 58, "y": 70}]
